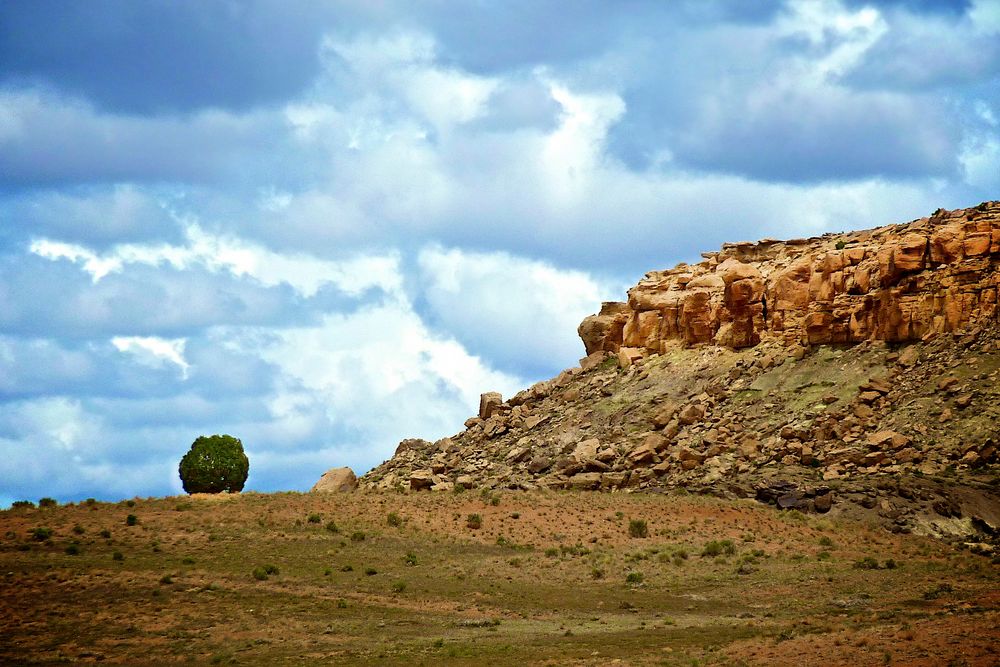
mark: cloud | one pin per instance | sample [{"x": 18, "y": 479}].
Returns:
[
  {"x": 497, "y": 306},
  {"x": 154, "y": 352}
]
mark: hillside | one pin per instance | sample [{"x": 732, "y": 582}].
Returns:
[
  {"x": 498, "y": 578},
  {"x": 855, "y": 373}
]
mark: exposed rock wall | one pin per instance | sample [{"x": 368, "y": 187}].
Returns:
[{"x": 896, "y": 283}]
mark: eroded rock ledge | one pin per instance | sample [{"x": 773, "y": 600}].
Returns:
[{"x": 896, "y": 283}]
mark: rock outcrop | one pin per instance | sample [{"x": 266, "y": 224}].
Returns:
[
  {"x": 897, "y": 283},
  {"x": 793, "y": 372},
  {"x": 336, "y": 480}
]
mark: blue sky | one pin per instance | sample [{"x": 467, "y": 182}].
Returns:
[{"x": 324, "y": 227}]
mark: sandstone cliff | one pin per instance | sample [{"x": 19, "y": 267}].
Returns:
[
  {"x": 895, "y": 283},
  {"x": 803, "y": 373}
]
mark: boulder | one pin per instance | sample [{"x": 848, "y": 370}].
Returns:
[
  {"x": 421, "y": 479},
  {"x": 489, "y": 403},
  {"x": 336, "y": 480}
]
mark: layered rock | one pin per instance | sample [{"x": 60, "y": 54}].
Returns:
[{"x": 896, "y": 283}]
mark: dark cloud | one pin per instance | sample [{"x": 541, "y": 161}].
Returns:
[{"x": 162, "y": 56}]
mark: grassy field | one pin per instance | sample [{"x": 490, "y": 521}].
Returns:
[{"x": 493, "y": 578}]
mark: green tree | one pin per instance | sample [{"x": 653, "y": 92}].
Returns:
[{"x": 215, "y": 464}]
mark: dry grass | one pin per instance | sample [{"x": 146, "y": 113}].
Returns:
[{"x": 522, "y": 588}]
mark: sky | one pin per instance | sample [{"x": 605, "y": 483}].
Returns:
[{"x": 323, "y": 227}]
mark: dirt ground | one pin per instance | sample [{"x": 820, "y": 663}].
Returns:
[{"x": 547, "y": 578}]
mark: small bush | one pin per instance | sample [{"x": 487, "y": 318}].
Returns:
[
  {"x": 332, "y": 527},
  {"x": 398, "y": 586},
  {"x": 597, "y": 573},
  {"x": 552, "y": 552},
  {"x": 712, "y": 549},
  {"x": 131, "y": 520},
  {"x": 106, "y": 534},
  {"x": 825, "y": 542},
  {"x": 370, "y": 571},
  {"x": 73, "y": 549},
  {"x": 314, "y": 518},
  {"x": 41, "y": 534},
  {"x": 118, "y": 555},
  {"x": 634, "y": 578},
  {"x": 358, "y": 536},
  {"x": 638, "y": 528},
  {"x": 341, "y": 603},
  {"x": 410, "y": 559},
  {"x": 79, "y": 530},
  {"x": 728, "y": 547},
  {"x": 22, "y": 504},
  {"x": 474, "y": 521},
  {"x": 47, "y": 502},
  {"x": 394, "y": 520},
  {"x": 347, "y": 568},
  {"x": 259, "y": 573},
  {"x": 272, "y": 569},
  {"x": 166, "y": 580},
  {"x": 866, "y": 563}
]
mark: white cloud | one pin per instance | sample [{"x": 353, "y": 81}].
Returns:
[
  {"x": 154, "y": 352},
  {"x": 519, "y": 312},
  {"x": 306, "y": 274},
  {"x": 380, "y": 374}
]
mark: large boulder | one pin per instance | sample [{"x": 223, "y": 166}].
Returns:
[{"x": 336, "y": 480}]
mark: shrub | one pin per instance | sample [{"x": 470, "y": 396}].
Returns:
[
  {"x": 394, "y": 520},
  {"x": 410, "y": 558},
  {"x": 131, "y": 520},
  {"x": 41, "y": 534},
  {"x": 825, "y": 541},
  {"x": 638, "y": 528},
  {"x": 271, "y": 569},
  {"x": 259, "y": 574},
  {"x": 332, "y": 527},
  {"x": 214, "y": 464},
  {"x": 358, "y": 536},
  {"x": 347, "y": 568},
  {"x": 314, "y": 518},
  {"x": 866, "y": 563},
  {"x": 166, "y": 580},
  {"x": 79, "y": 530},
  {"x": 22, "y": 504},
  {"x": 106, "y": 534},
  {"x": 474, "y": 521},
  {"x": 728, "y": 547},
  {"x": 370, "y": 571},
  {"x": 398, "y": 586},
  {"x": 118, "y": 555},
  {"x": 712, "y": 549},
  {"x": 73, "y": 549},
  {"x": 634, "y": 578},
  {"x": 47, "y": 502}
]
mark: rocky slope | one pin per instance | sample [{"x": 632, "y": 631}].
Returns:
[{"x": 854, "y": 372}]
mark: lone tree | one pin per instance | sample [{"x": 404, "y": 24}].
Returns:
[{"x": 215, "y": 464}]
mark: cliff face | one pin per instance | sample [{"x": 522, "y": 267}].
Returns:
[
  {"x": 723, "y": 378},
  {"x": 896, "y": 283}
]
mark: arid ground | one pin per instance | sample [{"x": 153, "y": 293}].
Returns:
[{"x": 483, "y": 578}]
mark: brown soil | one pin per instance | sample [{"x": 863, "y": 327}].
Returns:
[{"x": 544, "y": 580}]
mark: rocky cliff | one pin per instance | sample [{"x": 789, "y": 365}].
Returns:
[
  {"x": 850, "y": 370},
  {"x": 895, "y": 283}
]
